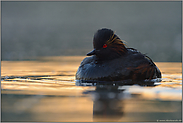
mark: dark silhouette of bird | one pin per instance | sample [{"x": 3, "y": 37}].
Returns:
[{"x": 111, "y": 60}]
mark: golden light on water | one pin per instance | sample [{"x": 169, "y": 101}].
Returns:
[{"x": 46, "y": 89}]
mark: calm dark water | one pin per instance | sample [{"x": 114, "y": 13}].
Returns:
[{"x": 45, "y": 90}]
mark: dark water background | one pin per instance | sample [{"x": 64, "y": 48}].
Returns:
[
  {"x": 33, "y": 29},
  {"x": 45, "y": 90}
]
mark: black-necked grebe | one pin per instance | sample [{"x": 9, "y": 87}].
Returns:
[{"x": 112, "y": 61}]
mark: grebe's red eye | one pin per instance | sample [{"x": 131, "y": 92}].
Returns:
[{"x": 105, "y": 45}]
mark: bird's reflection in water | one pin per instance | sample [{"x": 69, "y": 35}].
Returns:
[
  {"x": 108, "y": 99},
  {"x": 107, "y": 103}
]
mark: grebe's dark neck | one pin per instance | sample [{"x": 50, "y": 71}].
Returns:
[{"x": 113, "y": 53}]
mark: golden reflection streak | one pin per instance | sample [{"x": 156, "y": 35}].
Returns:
[{"x": 67, "y": 65}]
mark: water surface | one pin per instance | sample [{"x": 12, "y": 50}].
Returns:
[{"x": 45, "y": 90}]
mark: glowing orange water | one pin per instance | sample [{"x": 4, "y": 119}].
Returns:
[{"x": 45, "y": 90}]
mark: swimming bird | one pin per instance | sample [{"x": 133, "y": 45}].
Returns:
[{"x": 111, "y": 60}]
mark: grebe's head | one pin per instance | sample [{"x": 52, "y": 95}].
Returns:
[{"x": 107, "y": 45}]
